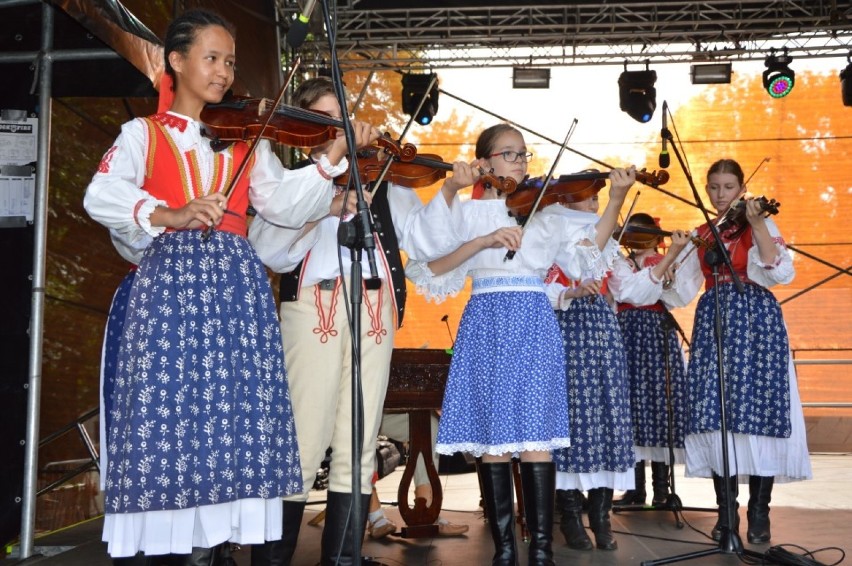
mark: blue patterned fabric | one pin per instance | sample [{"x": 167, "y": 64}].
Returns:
[
  {"x": 200, "y": 411},
  {"x": 112, "y": 343},
  {"x": 506, "y": 387},
  {"x": 643, "y": 334},
  {"x": 755, "y": 364},
  {"x": 598, "y": 393}
]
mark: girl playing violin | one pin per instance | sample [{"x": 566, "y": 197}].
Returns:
[
  {"x": 200, "y": 445},
  {"x": 765, "y": 422},
  {"x": 318, "y": 340},
  {"x": 506, "y": 390},
  {"x": 654, "y": 357},
  {"x": 600, "y": 456}
]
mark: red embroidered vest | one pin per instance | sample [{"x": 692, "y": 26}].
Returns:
[{"x": 166, "y": 164}]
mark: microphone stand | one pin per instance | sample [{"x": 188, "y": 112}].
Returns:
[
  {"x": 357, "y": 235},
  {"x": 730, "y": 541}
]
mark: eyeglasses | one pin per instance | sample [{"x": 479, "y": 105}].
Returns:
[{"x": 513, "y": 156}]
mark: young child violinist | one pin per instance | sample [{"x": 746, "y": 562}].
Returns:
[
  {"x": 201, "y": 441},
  {"x": 765, "y": 421},
  {"x": 506, "y": 390},
  {"x": 314, "y": 319},
  {"x": 654, "y": 357},
  {"x": 601, "y": 453}
]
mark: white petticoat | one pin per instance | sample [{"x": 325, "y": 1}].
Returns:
[
  {"x": 245, "y": 521},
  {"x": 787, "y": 459},
  {"x": 620, "y": 481}
]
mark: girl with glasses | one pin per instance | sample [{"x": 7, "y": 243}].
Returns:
[{"x": 506, "y": 392}]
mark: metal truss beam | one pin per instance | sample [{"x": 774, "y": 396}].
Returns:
[{"x": 585, "y": 33}]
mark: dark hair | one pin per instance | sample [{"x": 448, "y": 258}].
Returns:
[
  {"x": 642, "y": 219},
  {"x": 312, "y": 90},
  {"x": 727, "y": 166},
  {"x": 488, "y": 137},
  {"x": 182, "y": 32}
]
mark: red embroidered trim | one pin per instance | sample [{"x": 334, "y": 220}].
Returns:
[
  {"x": 171, "y": 121},
  {"x": 377, "y": 328},
  {"x": 324, "y": 175},
  {"x": 103, "y": 166},
  {"x": 326, "y": 323},
  {"x": 136, "y": 212}
]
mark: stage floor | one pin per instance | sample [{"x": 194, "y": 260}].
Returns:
[{"x": 815, "y": 514}]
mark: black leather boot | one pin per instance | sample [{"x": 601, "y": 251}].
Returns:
[
  {"x": 280, "y": 552},
  {"x": 600, "y": 504},
  {"x": 660, "y": 482},
  {"x": 205, "y": 556},
  {"x": 722, "y": 521},
  {"x": 760, "y": 494},
  {"x": 337, "y": 534},
  {"x": 538, "y": 480},
  {"x": 571, "y": 522},
  {"x": 637, "y": 495},
  {"x": 496, "y": 480}
]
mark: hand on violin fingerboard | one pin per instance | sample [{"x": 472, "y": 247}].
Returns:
[
  {"x": 620, "y": 181},
  {"x": 365, "y": 134},
  {"x": 464, "y": 175}
]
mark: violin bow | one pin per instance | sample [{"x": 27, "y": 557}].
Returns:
[
  {"x": 253, "y": 146},
  {"x": 511, "y": 253}
]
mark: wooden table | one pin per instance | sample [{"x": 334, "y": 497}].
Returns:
[{"x": 416, "y": 386}]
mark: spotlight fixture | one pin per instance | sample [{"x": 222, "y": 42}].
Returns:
[
  {"x": 527, "y": 77},
  {"x": 637, "y": 95},
  {"x": 711, "y": 73},
  {"x": 846, "y": 81},
  {"x": 414, "y": 88},
  {"x": 778, "y": 78}
]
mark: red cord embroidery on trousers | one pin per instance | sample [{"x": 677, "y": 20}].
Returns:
[
  {"x": 377, "y": 328},
  {"x": 326, "y": 323}
]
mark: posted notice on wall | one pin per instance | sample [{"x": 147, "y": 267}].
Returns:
[
  {"x": 18, "y": 141},
  {"x": 18, "y": 149}
]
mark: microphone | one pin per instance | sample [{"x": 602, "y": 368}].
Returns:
[
  {"x": 299, "y": 29},
  {"x": 445, "y": 319},
  {"x": 665, "y": 159}
]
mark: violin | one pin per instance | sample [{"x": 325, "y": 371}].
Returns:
[
  {"x": 567, "y": 189},
  {"x": 638, "y": 237},
  {"x": 241, "y": 118},
  {"x": 411, "y": 170},
  {"x": 734, "y": 219}
]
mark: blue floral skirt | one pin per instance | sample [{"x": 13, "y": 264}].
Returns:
[
  {"x": 645, "y": 343},
  {"x": 506, "y": 388},
  {"x": 755, "y": 364},
  {"x": 598, "y": 392},
  {"x": 198, "y": 408}
]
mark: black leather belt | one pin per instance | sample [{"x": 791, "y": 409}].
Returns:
[{"x": 370, "y": 284}]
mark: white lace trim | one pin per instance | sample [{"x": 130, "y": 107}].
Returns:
[
  {"x": 434, "y": 288},
  {"x": 499, "y": 449}
]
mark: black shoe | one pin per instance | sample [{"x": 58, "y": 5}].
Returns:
[
  {"x": 637, "y": 495},
  {"x": 600, "y": 504},
  {"x": 660, "y": 483},
  {"x": 760, "y": 494},
  {"x": 538, "y": 480},
  {"x": 722, "y": 521},
  {"x": 571, "y": 522},
  {"x": 336, "y": 542},
  {"x": 496, "y": 481},
  {"x": 280, "y": 552}
]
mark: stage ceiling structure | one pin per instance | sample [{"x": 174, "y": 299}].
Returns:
[{"x": 434, "y": 34}]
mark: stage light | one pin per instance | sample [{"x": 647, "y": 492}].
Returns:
[
  {"x": 526, "y": 77},
  {"x": 637, "y": 94},
  {"x": 846, "y": 82},
  {"x": 778, "y": 78},
  {"x": 414, "y": 87},
  {"x": 711, "y": 73}
]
